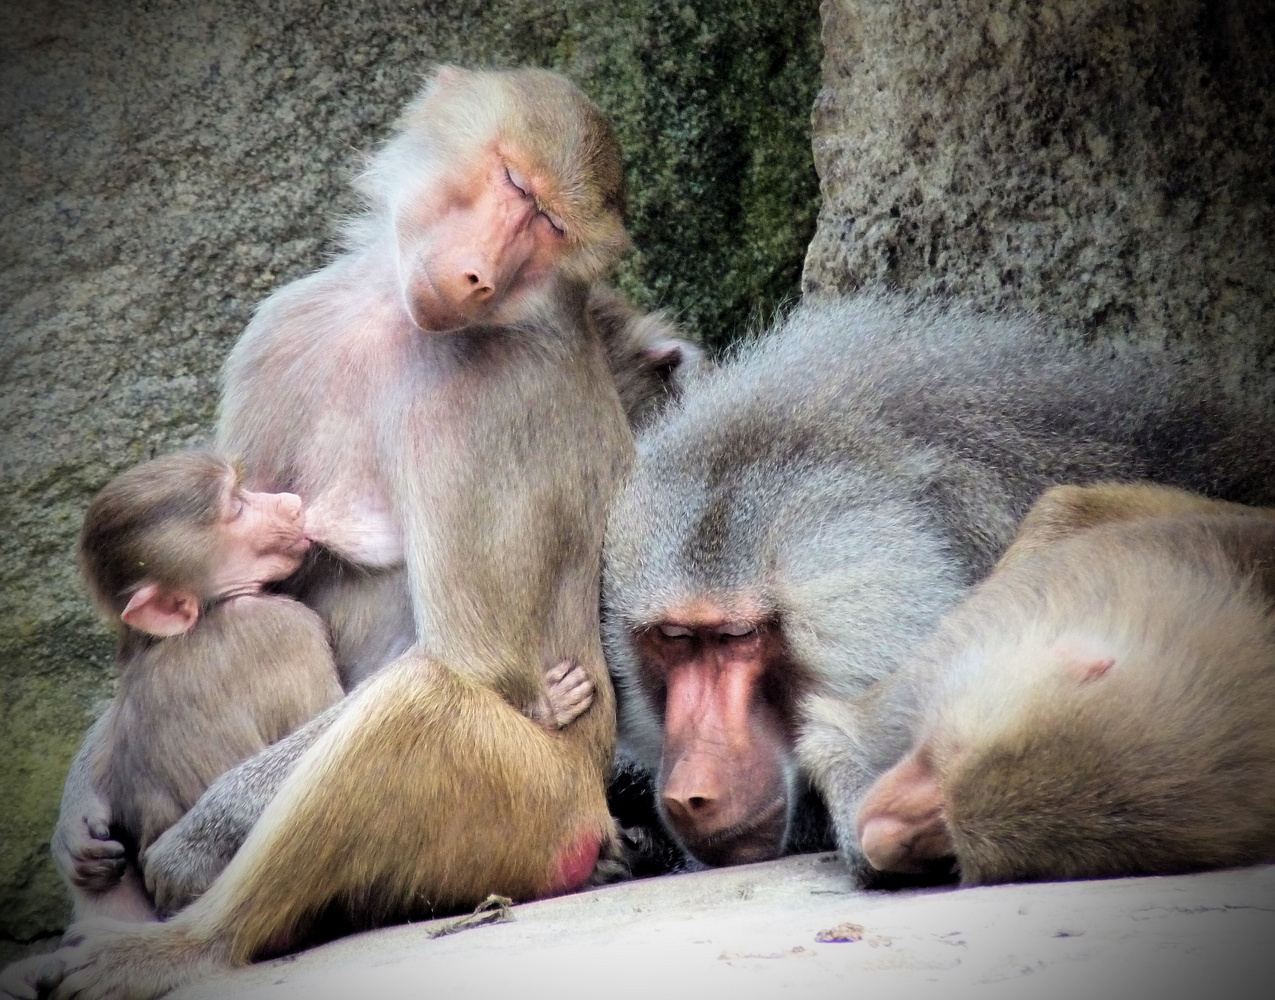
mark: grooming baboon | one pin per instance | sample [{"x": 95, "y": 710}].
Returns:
[
  {"x": 1102, "y": 705},
  {"x": 440, "y": 387},
  {"x": 810, "y": 509}
]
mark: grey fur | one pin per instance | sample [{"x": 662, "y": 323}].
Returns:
[
  {"x": 856, "y": 470},
  {"x": 185, "y": 859}
]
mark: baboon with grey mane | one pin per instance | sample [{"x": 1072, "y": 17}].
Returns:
[{"x": 811, "y": 508}]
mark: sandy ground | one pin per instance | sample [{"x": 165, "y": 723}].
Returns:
[{"x": 761, "y": 930}]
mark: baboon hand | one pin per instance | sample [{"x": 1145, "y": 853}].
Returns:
[
  {"x": 568, "y": 693},
  {"x": 32, "y": 978},
  {"x": 179, "y": 868},
  {"x": 85, "y": 853}
]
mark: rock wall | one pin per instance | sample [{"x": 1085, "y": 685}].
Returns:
[
  {"x": 1107, "y": 162},
  {"x": 166, "y": 165}
]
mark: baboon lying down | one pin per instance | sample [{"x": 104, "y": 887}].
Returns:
[{"x": 1103, "y": 705}]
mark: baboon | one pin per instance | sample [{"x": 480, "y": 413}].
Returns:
[
  {"x": 809, "y": 510},
  {"x": 297, "y": 415},
  {"x": 211, "y": 669},
  {"x": 1102, "y": 705},
  {"x": 440, "y": 388}
]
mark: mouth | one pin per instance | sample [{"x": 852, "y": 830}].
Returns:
[
  {"x": 430, "y": 319},
  {"x": 760, "y": 837},
  {"x": 299, "y": 546}
]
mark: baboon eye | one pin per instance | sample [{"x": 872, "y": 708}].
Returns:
[
  {"x": 675, "y": 632},
  {"x": 517, "y": 180},
  {"x": 559, "y": 226},
  {"x": 737, "y": 630}
]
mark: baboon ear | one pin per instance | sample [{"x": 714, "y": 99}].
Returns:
[
  {"x": 1088, "y": 671},
  {"x": 445, "y": 75},
  {"x": 161, "y": 611},
  {"x": 1083, "y": 660},
  {"x": 670, "y": 355},
  {"x": 663, "y": 354}
]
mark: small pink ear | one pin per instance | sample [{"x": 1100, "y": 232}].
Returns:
[
  {"x": 1089, "y": 671},
  {"x": 158, "y": 611},
  {"x": 1083, "y": 659}
]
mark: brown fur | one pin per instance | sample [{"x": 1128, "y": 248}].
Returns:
[
  {"x": 496, "y": 449},
  {"x": 1064, "y": 510},
  {"x": 367, "y": 604},
  {"x": 146, "y": 524},
  {"x": 470, "y": 797},
  {"x": 190, "y": 706},
  {"x": 1104, "y": 703}
]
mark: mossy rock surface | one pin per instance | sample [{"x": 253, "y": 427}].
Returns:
[
  {"x": 165, "y": 166},
  {"x": 1109, "y": 164}
]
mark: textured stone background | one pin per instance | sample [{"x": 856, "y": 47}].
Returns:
[
  {"x": 1108, "y": 162},
  {"x": 163, "y": 166}
]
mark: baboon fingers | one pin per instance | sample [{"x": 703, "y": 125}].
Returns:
[
  {"x": 31, "y": 978},
  {"x": 570, "y": 705},
  {"x": 98, "y": 876},
  {"x": 99, "y": 849},
  {"x": 558, "y": 671}
]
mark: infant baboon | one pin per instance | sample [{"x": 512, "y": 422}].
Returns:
[
  {"x": 1103, "y": 705},
  {"x": 212, "y": 669}
]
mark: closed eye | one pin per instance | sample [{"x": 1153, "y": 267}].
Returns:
[
  {"x": 558, "y": 225},
  {"x": 518, "y": 182},
  {"x": 234, "y": 506}
]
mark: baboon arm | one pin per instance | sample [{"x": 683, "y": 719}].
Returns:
[
  {"x": 845, "y": 744},
  {"x": 88, "y": 858},
  {"x": 902, "y": 826},
  {"x": 182, "y": 863},
  {"x": 382, "y": 808}
]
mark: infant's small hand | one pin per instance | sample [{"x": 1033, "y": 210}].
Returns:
[
  {"x": 85, "y": 853},
  {"x": 568, "y": 693}
]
